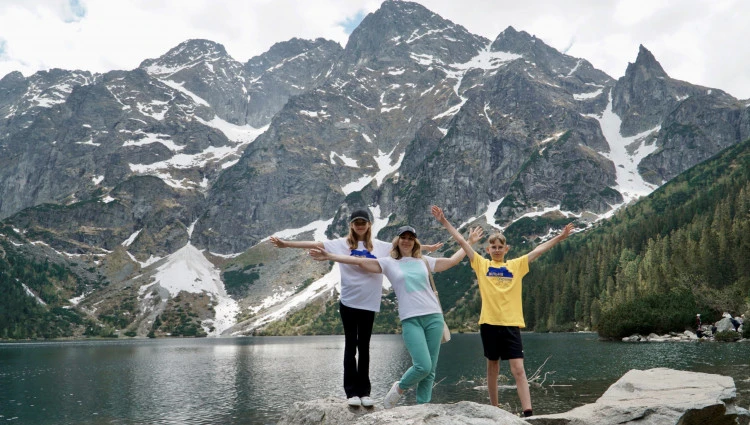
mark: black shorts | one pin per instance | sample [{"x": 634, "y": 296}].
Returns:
[{"x": 501, "y": 342}]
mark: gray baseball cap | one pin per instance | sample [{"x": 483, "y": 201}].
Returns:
[
  {"x": 404, "y": 229},
  {"x": 359, "y": 215}
]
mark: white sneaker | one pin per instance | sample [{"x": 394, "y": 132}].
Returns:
[
  {"x": 392, "y": 397},
  {"x": 354, "y": 402},
  {"x": 367, "y": 401}
]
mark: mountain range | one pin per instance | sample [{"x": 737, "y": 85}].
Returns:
[{"x": 158, "y": 187}]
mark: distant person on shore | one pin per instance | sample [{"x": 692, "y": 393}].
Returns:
[
  {"x": 418, "y": 305},
  {"x": 359, "y": 300},
  {"x": 735, "y": 323},
  {"x": 501, "y": 317},
  {"x": 698, "y": 326}
]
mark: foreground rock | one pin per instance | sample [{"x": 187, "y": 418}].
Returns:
[
  {"x": 644, "y": 397},
  {"x": 333, "y": 411},
  {"x": 659, "y": 397}
]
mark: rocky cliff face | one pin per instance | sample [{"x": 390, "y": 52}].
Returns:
[
  {"x": 693, "y": 122},
  {"x": 197, "y": 148}
]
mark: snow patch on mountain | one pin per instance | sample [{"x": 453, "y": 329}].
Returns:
[
  {"x": 188, "y": 270},
  {"x": 629, "y": 181},
  {"x": 226, "y": 155},
  {"x": 179, "y": 87},
  {"x": 386, "y": 166}
]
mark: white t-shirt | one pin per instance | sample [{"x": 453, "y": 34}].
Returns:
[
  {"x": 359, "y": 288},
  {"x": 411, "y": 283}
]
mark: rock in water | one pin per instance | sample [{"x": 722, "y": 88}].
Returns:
[{"x": 659, "y": 396}]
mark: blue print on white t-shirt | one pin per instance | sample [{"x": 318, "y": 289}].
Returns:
[
  {"x": 414, "y": 276},
  {"x": 361, "y": 253}
]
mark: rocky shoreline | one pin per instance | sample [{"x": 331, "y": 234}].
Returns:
[
  {"x": 686, "y": 336},
  {"x": 724, "y": 330}
]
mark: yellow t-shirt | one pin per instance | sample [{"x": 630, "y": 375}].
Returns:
[{"x": 500, "y": 288}]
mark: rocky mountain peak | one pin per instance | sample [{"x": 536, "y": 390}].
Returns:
[
  {"x": 544, "y": 56},
  {"x": 292, "y": 48},
  {"x": 401, "y": 29},
  {"x": 514, "y": 41},
  {"x": 643, "y": 94},
  {"x": 11, "y": 77},
  {"x": 186, "y": 53},
  {"x": 646, "y": 66}
]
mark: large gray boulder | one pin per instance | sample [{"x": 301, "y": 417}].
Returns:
[
  {"x": 332, "y": 411},
  {"x": 724, "y": 324},
  {"x": 659, "y": 397}
]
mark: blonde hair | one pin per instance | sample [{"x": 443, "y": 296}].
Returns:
[
  {"x": 416, "y": 251},
  {"x": 496, "y": 237},
  {"x": 352, "y": 238}
]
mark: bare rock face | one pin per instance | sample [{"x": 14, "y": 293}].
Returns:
[
  {"x": 332, "y": 411},
  {"x": 659, "y": 396}
]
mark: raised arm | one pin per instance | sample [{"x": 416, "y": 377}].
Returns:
[
  {"x": 466, "y": 247},
  {"x": 446, "y": 263},
  {"x": 541, "y": 249},
  {"x": 367, "y": 264},
  {"x": 281, "y": 243}
]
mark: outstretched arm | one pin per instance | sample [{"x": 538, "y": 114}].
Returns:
[
  {"x": 468, "y": 250},
  {"x": 367, "y": 264},
  {"x": 281, "y": 243},
  {"x": 541, "y": 249}
]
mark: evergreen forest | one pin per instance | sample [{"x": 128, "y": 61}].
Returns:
[{"x": 683, "y": 250}]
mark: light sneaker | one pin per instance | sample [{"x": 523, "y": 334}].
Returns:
[
  {"x": 392, "y": 397},
  {"x": 354, "y": 401},
  {"x": 367, "y": 401}
]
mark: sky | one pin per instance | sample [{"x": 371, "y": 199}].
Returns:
[{"x": 699, "y": 41}]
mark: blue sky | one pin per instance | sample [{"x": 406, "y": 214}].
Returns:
[
  {"x": 350, "y": 23},
  {"x": 699, "y": 41}
]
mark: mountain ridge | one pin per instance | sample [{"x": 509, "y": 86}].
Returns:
[{"x": 210, "y": 153}]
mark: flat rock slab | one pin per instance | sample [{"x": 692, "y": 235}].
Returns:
[{"x": 333, "y": 411}]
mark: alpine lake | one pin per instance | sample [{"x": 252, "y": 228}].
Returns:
[{"x": 253, "y": 380}]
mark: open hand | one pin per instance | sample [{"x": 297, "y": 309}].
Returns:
[
  {"x": 566, "y": 231},
  {"x": 278, "y": 243},
  {"x": 318, "y": 254},
  {"x": 438, "y": 213},
  {"x": 475, "y": 235},
  {"x": 432, "y": 248}
]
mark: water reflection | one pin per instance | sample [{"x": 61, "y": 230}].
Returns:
[{"x": 253, "y": 380}]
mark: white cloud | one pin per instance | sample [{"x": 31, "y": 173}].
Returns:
[{"x": 699, "y": 41}]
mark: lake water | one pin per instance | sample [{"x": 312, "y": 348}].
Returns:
[{"x": 253, "y": 380}]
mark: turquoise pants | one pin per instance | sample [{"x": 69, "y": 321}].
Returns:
[{"x": 422, "y": 338}]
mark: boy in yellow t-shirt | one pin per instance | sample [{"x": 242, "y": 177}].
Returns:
[{"x": 501, "y": 318}]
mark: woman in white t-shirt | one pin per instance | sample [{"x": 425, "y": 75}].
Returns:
[
  {"x": 418, "y": 306},
  {"x": 359, "y": 300}
]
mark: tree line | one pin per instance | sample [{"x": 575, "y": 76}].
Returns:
[{"x": 683, "y": 250}]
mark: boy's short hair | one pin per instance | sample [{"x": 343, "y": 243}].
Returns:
[{"x": 496, "y": 237}]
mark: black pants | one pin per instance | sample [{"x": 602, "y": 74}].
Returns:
[{"x": 357, "y": 333}]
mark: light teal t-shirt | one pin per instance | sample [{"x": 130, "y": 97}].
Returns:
[{"x": 409, "y": 279}]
